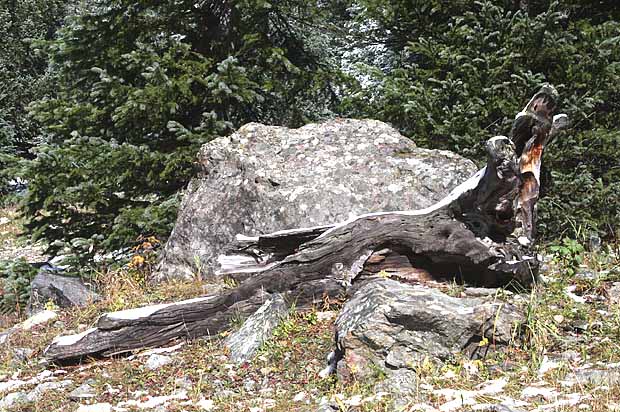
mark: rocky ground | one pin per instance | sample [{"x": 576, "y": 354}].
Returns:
[
  {"x": 11, "y": 246},
  {"x": 567, "y": 360}
]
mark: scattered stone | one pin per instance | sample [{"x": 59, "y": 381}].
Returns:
[
  {"x": 569, "y": 292},
  {"x": 154, "y": 401},
  {"x": 97, "y": 407},
  {"x": 38, "y": 319},
  {"x": 184, "y": 383},
  {"x": 4, "y": 220},
  {"x": 156, "y": 361},
  {"x": 587, "y": 275},
  {"x": 64, "y": 291},
  {"x": 327, "y": 315},
  {"x": 265, "y": 178},
  {"x": 402, "y": 386},
  {"x": 11, "y": 385},
  {"x": 596, "y": 377},
  {"x": 35, "y": 320},
  {"x": 41, "y": 388},
  {"x": 456, "y": 399},
  {"x": 13, "y": 400},
  {"x": 84, "y": 391},
  {"x": 22, "y": 354},
  {"x": 249, "y": 385},
  {"x": 259, "y": 327}
]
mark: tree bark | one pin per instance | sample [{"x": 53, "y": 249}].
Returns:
[{"x": 482, "y": 233}]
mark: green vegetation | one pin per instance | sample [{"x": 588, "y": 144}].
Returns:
[
  {"x": 141, "y": 85},
  {"x": 109, "y": 101},
  {"x": 459, "y": 70}
]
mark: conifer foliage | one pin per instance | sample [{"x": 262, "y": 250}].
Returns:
[
  {"x": 141, "y": 86},
  {"x": 461, "y": 68}
]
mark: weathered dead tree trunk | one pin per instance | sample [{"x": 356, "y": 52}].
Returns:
[{"x": 481, "y": 233}]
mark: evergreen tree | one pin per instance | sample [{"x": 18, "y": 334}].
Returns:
[
  {"x": 462, "y": 69},
  {"x": 141, "y": 86},
  {"x": 24, "y": 75}
]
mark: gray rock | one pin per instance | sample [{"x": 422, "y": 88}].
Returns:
[
  {"x": 13, "y": 400},
  {"x": 259, "y": 327},
  {"x": 388, "y": 326},
  {"x": 41, "y": 388},
  {"x": 156, "y": 361},
  {"x": 596, "y": 377},
  {"x": 22, "y": 354},
  {"x": 84, "y": 391},
  {"x": 64, "y": 291},
  {"x": 265, "y": 178},
  {"x": 402, "y": 385},
  {"x": 184, "y": 383}
]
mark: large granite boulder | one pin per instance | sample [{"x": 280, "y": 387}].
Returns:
[{"x": 266, "y": 178}]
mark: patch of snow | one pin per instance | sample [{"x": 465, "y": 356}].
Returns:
[
  {"x": 71, "y": 339},
  {"x": 547, "y": 365},
  {"x": 569, "y": 292},
  {"x": 206, "y": 404},
  {"x": 547, "y": 393},
  {"x": 97, "y": 407}
]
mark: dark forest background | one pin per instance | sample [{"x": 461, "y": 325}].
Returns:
[{"x": 104, "y": 103}]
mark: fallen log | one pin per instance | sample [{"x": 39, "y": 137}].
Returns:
[{"x": 469, "y": 235}]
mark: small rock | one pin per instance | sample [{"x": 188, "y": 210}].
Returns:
[
  {"x": 547, "y": 365},
  {"x": 259, "y": 327},
  {"x": 587, "y": 275},
  {"x": 4, "y": 220},
  {"x": 12, "y": 400},
  {"x": 597, "y": 377},
  {"x": 84, "y": 391},
  {"x": 156, "y": 361},
  {"x": 97, "y": 407},
  {"x": 64, "y": 291},
  {"x": 11, "y": 385},
  {"x": 22, "y": 354},
  {"x": 184, "y": 383},
  {"x": 226, "y": 393},
  {"x": 41, "y": 388},
  {"x": 249, "y": 385},
  {"x": 38, "y": 319},
  {"x": 327, "y": 315},
  {"x": 300, "y": 397}
]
